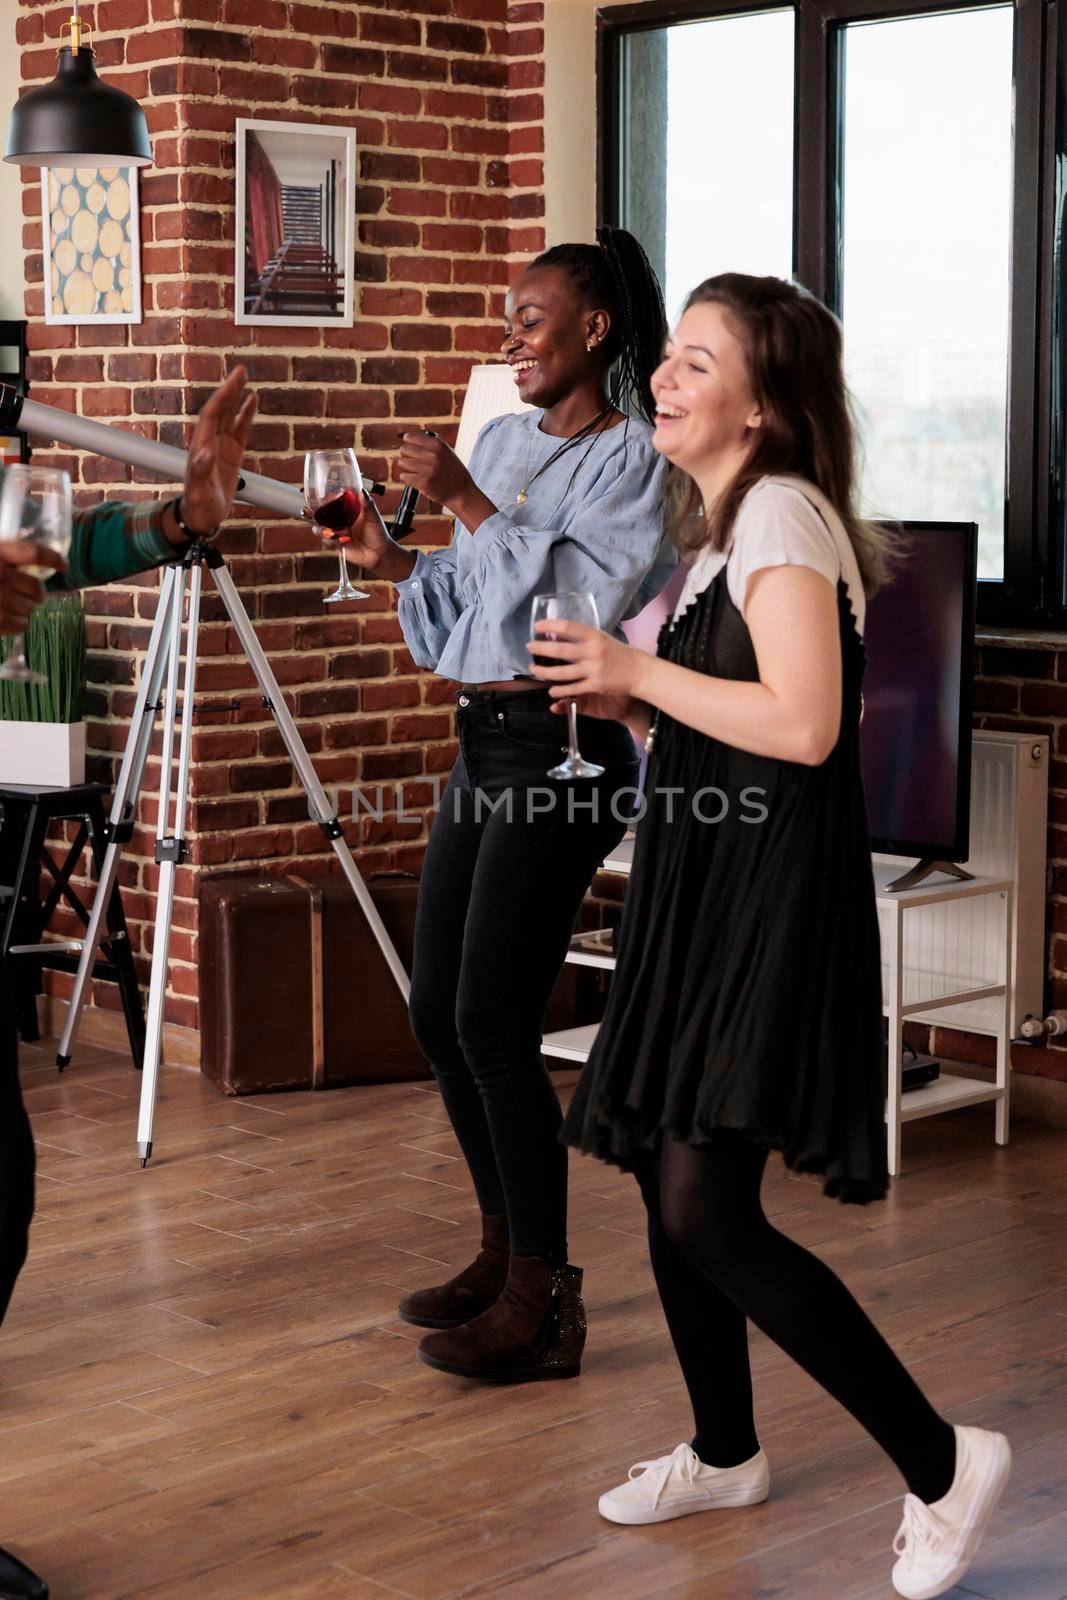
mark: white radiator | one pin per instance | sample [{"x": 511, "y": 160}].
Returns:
[{"x": 965, "y": 939}]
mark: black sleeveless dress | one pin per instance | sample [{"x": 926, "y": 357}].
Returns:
[{"x": 747, "y": 993}]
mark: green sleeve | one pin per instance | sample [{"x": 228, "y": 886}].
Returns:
[{"x": 114, "y": 540}]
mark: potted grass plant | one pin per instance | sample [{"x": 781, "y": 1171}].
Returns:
[{"x": 42, "y": 732}]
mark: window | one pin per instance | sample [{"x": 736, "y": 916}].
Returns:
[
  {"x": 896, "y": 157},
  {"x": 925, "y": 250},
  {"x": 682, "y": 89}
]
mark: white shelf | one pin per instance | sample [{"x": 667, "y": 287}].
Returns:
[
  {"x": 570, "y": 1044},
  {"x": 947, "y": 1093},
  {"x": 924, "y": 990},
  {"x": 588, "y": 958},
  {"x": 930, "y": 893},
  {"x": 621, "y": 858},
  {"x": 982, "y": 1016},
  {"x": 591, "y": 950}
]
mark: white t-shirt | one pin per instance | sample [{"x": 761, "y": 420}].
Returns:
[{"x": 782, "y": 521}]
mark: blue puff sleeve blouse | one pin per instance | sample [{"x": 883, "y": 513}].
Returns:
[{"x": 593, "y": 521}]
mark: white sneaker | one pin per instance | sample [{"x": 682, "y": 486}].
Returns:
[
  {"x": 679, "y": 1484},
  {"x": 937, "y": 1542}
]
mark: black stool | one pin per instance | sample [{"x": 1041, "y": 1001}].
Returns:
[{"x": 28, "y": 814}]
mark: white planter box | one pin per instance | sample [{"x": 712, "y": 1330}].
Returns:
[{"x": 48, "y": 754}]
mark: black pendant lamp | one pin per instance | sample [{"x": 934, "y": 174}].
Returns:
[{"x": 76, "y": 120}]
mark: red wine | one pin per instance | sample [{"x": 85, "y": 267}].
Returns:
[{"x": 339, "y": 512}]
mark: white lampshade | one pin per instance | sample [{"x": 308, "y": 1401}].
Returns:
[{"x": 491, "y": 393}]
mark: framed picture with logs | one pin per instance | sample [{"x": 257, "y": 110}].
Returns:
[
  {"x": 295, "y": 224},
  {"x": 92, "y": 244}
]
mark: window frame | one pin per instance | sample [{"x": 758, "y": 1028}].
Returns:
[{"x": 1034, "y": 562}]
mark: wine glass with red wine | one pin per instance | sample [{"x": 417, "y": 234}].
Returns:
[{"x": 333, "y": 489}]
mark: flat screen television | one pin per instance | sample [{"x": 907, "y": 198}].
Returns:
[{"x": 915, "y": 738}]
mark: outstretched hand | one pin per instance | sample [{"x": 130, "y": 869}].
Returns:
[{"x": 215, "y": 453}]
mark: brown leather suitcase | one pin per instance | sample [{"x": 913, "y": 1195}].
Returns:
[{"x": 294, "y": 992}]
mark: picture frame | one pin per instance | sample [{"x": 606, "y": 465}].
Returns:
[
  {"x": 294, "y": 239},
  {"x": 91, "y": 235}
]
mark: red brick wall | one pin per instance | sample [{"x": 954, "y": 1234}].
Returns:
[{"x": 445, "y": 97}]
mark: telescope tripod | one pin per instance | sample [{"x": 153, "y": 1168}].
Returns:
[{"x": 162, "y": 665}]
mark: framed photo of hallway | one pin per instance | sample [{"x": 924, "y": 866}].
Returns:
[
  {"x": 295, "y": 225},
  {"x": 91, "y": 233}
]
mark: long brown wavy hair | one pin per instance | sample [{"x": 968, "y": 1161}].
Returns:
[{"x": 793, "y": 348}]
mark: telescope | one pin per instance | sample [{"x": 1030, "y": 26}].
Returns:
[{"x": 19, "y": 413}]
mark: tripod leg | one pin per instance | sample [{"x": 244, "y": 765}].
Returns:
[
  {"x": 321, "y": 810},
  {"x": 120, "y": 820},
  {"x": 170, "y": 848}
]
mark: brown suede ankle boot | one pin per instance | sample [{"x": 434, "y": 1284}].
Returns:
[
  {"x": 535, "y": 1330},
  {"x": 471, "y": 1291}
]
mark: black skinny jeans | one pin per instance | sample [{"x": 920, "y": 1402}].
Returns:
[{"x": 510, "y": 857}]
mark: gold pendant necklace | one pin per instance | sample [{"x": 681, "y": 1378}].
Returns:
[
  {"x": 521, "y": 497},
  {"x": 591, "y": 426}
]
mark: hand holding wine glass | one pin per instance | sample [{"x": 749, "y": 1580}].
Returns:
[
  {"x": 369, "y": 543},
  {"x": 549, "y": 609},
  {"x": 605, "y": 707},
  {"x": 35, "y": 511},
  {"x": 333, "y": 489},
  {"x": 20, "y": 592},
  {"x": 366, "y": 539}
]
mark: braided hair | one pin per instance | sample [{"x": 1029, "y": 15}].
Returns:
[{"x": 616, "y": 276}]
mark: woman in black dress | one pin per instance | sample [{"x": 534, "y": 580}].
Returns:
[{"x": 745, "y": 1011}]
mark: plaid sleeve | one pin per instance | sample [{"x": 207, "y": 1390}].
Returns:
[{"x": 114, "y": 540}]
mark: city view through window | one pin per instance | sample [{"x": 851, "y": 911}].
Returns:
[
  {"x": 925, "y": 220},
  {"x": 926, "y": 246}
]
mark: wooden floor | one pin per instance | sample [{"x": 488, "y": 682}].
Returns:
[{"x": 205, "y": 1393}]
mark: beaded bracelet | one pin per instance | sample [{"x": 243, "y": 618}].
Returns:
[{"x": 190, "y": 533}]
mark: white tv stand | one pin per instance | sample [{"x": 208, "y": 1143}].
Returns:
[{"x": 906, "y": 992}]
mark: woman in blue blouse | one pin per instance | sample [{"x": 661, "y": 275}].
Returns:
[{"x": 565, "y": 497}]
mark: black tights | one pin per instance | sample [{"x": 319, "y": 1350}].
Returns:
[{"x": 717, "y": 1261}]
